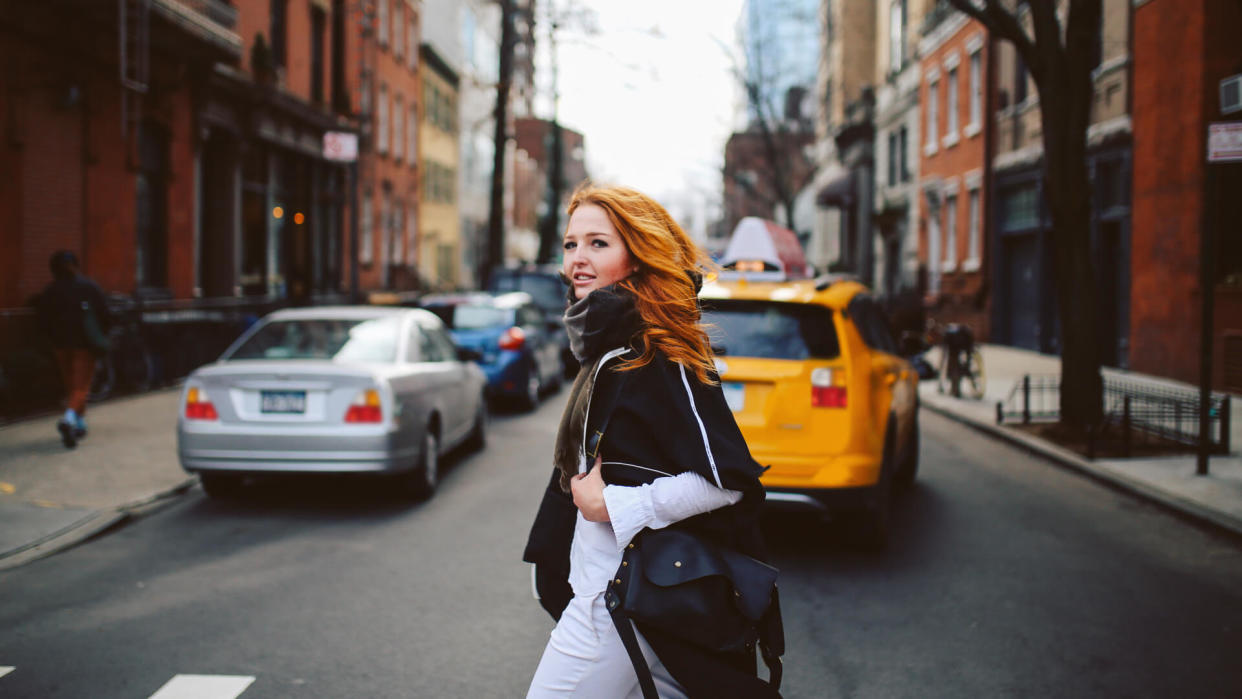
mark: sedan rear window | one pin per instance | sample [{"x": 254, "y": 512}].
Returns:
[
  {"x": 475, "y": 317},
  {"x": 342, "y": 340},
  {"x": 770, "y": 330}
]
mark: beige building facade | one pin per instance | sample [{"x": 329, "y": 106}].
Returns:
[{"x": 439, "y": 245}]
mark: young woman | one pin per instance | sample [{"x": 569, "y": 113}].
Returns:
[{"x": 633, "y": 322}]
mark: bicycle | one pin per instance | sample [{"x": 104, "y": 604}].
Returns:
[
  {"x": 128, "y": 363},
  {"x": 960, "y": 359}
]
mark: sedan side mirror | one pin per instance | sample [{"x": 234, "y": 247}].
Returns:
[{"x": 465, "y": 354}]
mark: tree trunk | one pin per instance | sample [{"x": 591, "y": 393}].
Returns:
[
  {"x": 496, "y": 210},
  {"x": 1065, "y": 114}
]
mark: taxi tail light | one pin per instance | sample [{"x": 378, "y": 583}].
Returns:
[
  {"x": 824, "y": 394},
  {"x": 197, "y": 407},
  {"x": 365, "y": 408},
  {"x": 513, "y": 339}
]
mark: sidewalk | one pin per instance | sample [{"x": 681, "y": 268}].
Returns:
[
  {"x": 52, "y": 498},
  {"x": 1169, "y": 480}
]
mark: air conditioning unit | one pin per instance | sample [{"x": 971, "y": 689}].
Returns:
[{"x": 1231, "y": 94}]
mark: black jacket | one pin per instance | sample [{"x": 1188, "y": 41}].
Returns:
[
  {"x": 61, "y": 309},
  {"x": 663, "y": 417}
]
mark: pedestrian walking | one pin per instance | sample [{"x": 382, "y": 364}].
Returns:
[
  {"x": 74, "y": 315},
  {"x": 633, "y": 322}
]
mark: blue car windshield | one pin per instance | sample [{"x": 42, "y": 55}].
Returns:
[
  {"x": 341, "y": 340},
  {"x": 479, "y": 317}
]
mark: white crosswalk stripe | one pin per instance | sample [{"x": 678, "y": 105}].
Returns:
[
  {"x": 203, "y": 687},
  {"x": 6, "y": 669}
]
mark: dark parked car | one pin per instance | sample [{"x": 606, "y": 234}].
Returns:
[
  {"x": 543, "y": 283},
  {"x": 519, "y": 344}
]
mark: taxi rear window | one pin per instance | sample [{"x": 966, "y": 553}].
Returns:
[{"x": 770, "y": 330}]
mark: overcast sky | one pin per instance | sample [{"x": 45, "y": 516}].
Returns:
[{"x": 653, "y": 93}]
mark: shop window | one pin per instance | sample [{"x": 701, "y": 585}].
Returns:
[{"x": 151, "y": 206}]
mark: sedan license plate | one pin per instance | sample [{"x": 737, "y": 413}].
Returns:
[
  {"x": 282, "y": 401},
  {"x": 735, "y": 395}
]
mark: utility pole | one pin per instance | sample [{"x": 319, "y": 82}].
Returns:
[
  {"x": 549, "y": 225},
  {"x": 496, "y": 212}
]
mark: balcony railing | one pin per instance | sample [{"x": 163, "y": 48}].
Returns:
[{"x": 212, "y": 20}]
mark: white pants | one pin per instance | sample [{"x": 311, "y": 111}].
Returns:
[{"x": 585, "y": 658}]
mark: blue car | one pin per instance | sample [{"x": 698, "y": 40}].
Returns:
[{"x": 521, "y": 357}]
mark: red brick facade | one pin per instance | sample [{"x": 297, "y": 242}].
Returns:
[
  {"x": 953, "y": 210},
  {"x": 1174, "y": 101}
]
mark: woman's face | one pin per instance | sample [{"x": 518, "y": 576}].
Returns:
[{"x": 595, "y": 254}]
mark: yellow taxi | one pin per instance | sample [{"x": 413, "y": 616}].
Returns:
[{"x": 811, "y": 371}]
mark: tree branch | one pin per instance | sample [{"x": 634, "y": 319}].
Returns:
[{"x": 1003, "y": 24}]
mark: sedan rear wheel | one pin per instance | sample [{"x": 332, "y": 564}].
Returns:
[
  {"x": 478, "y": 434},
  {"x": 422, "y": 481},
  {"x": 530, "y": 400},
  {"x": 221, "y": 485}
]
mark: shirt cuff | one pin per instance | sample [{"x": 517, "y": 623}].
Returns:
[{"x": 629, "y": 510}]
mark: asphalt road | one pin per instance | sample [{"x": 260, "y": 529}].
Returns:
[{"x": 1008, "y": 577}]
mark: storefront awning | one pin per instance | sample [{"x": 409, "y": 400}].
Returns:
[{"x": 838, "y": 192}]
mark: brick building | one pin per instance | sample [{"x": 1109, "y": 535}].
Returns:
[
  {"x": 748, "y": 172},
  {"x": 1183, "y": 50},
  {"x": 952, "y": 205},
  {"x": 534, "y": 139}
]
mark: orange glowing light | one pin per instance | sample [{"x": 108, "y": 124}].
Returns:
[
  {"x": 298, "y": 218},
  {"x": 278, "y": 212}
]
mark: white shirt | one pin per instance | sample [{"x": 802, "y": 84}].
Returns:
[{"x": 597, "y": 547}]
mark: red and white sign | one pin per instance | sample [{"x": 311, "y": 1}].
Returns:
[
  {"x": 1225, "y": 142},
  {"x": 340, "y": 146}
]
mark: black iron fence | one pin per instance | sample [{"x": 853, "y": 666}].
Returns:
[{"x": 1132, "y": 410}]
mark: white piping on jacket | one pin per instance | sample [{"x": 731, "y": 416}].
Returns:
[
  {"x": 582, "y": 464},
  {"x": 645, "y": 468},
  {"x": 711, "y": 459}
]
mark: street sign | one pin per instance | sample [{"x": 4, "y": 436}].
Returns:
[
  {"x": 1225, "y": 142},
  {"x": 341, "y": 146}
]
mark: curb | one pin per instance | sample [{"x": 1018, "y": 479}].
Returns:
[
  {"x": 1073, "y": 462},
  {"x": 91, "y": 525}
]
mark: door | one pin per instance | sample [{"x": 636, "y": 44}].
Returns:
[{"x": 1020, "y": 280}]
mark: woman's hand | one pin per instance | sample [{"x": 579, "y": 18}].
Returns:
[{"x": 588, "y": 491}]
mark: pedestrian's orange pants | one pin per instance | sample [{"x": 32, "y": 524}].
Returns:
[{"x": 77, "y": 369}]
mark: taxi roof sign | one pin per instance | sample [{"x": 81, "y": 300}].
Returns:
[{"x": 776, "y": 248}]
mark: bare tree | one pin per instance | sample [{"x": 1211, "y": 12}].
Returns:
[{"x": 1060, "y": 59}]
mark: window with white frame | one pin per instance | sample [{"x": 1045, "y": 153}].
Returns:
[
  {"x": 933, "y": 115},
  {"x": 398, "y": 29},
  {"x": 950, "y": 108},
  {"x": 411, "y": 250},
  {"x": 385, "y": 229},
  {"x": 896, "y": 35},
  {"x": 398, "y": 131},
  {"x": 366, "y": 236},
  {"x": 364, "y": 93},
  {"x": 950, "y": 233},
  {"x": 411, "y": 37},
  {"x": 381, "y": 120},
  {"x": 976, "y": 94},
  {"x": 972, "y": 244},
  {"x": 398, "y": 234},
  {"x": 903, "y": 159},
  {"x": 411, "y": 135},
  {"x": 381, "y": 16}
]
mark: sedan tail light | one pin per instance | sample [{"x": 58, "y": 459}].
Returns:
[
  {"x": 823, "y": 393},
  {"x": 365, "y": 408},
  {"x": 197, "y": 407},
  {"x": 513, "y": 338}
]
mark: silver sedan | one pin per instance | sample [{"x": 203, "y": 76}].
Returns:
[{"x": 333, "y": 390}]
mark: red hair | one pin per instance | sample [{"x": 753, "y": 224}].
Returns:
[{"x": 665, "y": 287}]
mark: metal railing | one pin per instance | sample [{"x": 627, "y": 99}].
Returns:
[{"x": 1144, "y": 411}]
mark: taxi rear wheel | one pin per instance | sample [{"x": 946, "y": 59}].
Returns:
[
  {"x": 869, "y": 526},
  {"x": 908, "y": 468}
]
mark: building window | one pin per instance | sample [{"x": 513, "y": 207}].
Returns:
[
  {"x": 151, "y": 206},
  {"x": 340, "y": 95},
  {"x": 892, "y": 158},
  {"x": 411, "y": 136},
  {"x": 398, "y": 29},
  {"x": 950, "y": 233},
  {"x": 364, "y": 94},
  {"x": 385, "y": 227},
  {"x": 951, "y": 109},
  {"x": 903, "y": 143},
  {"x": 412, "y": 39},
  {"x": 366, "y": 236},
  {"x": 933, "y": 115},
  {"x": 398, "y": 234},
  {"x": 1019, "y": 79},
  {"x": 976, "y": 93},
  {"x": 319, "y": 23},
  {"x": 277, "y": 29},
  {"x": 381, "y": 120},
  {"x": 398, "y": 131},
  {"x": 1019, "y": 208},
  {"x": 411, "y": 249},
  {"x": 896, "y": 35},
  {"x": 381, "y": 30},
  {"x": 972, "y": 245}
]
